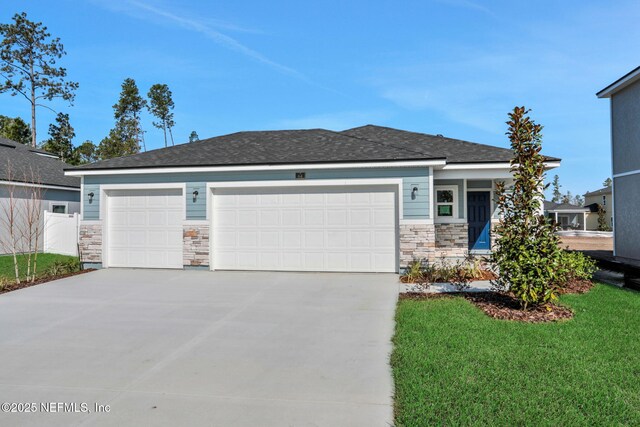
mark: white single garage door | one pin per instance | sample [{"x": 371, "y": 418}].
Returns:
[
  {"x": 145, "y": 228},
  {"x": 305, "y": 229}
]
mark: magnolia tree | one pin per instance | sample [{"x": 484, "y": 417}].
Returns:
[{"x": 527, "y": 251}]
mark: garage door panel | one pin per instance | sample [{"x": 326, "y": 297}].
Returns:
[
  {"x": 337, "y": 239},
  {"x": 269, "y": 240},
  {"x": 292, "y": 239},
  {"x": 313, "y": 239},
  {"x": 383, "y": 216},
  {"x": 360, "y": 217},
  {"x": 336, "y": 217},
  {"x": 269, "y": 217},
  {"x": 313, "y": 217},
  {"x": 310, "y": 229},
  {"x": 248, "y": 239},
  {"x": 145, "y": 228},
  {"x": 291, "y": 217}
]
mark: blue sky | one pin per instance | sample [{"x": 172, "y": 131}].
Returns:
[{"x": 454, "y": 67}]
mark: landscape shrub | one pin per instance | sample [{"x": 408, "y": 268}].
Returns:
[
  {"x": 575, "y": 266},
  {"x": 527, "y": 253},
  {"x": 59, "y": 268},
  {"x": 422, "y": 273}
]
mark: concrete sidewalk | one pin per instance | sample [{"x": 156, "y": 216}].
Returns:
[{"x": 170, "y": 348}]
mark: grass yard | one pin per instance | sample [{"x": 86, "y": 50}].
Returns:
[
  {"x": 453, "y": 365},
  {"x": 44, "y": 261}
]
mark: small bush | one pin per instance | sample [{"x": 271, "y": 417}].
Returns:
[
  {"x": 59, "y": 268},
  {"x": 575, "y": 266},
  {"x": 422, "y": 273},
  {"x": 4, "y": 282}
]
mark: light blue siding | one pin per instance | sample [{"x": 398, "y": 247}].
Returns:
[
  {"x": 485, "y": 183},
  {"x": 196, "y": 206},
  {"x": 414, "y": 208},
  {"x": 60, "y": 195},
  {"x": 461, "y": 196},
  {"x": 91, "y": 210}
]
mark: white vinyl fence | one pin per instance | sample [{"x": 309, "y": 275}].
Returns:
[{"x": 61, "y": 233}]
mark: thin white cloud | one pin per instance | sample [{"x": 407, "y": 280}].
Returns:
[{"x": 206, "y": 28}]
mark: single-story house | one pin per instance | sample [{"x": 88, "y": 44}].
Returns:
[
  {"x": 365, "y": 199},
  {"x": 624, "y": 94},
  {"x": 30, "y": 172},
  {"x": 593, "y": 199},
  {"x": 568, "y": 216}
]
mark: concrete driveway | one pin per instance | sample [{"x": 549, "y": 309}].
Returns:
[{"x": 173, "y": 348}]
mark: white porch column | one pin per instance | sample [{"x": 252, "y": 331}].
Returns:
[{"x": 584, "y": 221}]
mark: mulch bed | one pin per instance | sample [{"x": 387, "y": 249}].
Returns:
[
  {"x": 41, "y": 280},
  {"x": 577, "y": 287},
  {"x": 502, "y": 306}
]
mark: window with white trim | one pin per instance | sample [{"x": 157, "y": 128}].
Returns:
[
  {"x": 446, "y": 197},
  {"x": 57, "y": 207}
]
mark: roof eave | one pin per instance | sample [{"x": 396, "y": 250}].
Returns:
[
  {"x": 254, "y": 167},
  {"x": 621, "y": 83}
]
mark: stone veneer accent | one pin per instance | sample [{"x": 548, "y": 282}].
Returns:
[
  {"x": 195, "y": 245},
  {"x": 431, "y": 241},
  {"x": 90, "y": 243},
  {"x": 417, "y": 241},
  {"x": 452, "y": 240}
]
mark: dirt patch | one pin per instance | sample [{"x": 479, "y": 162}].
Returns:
[
  {"x": 581, "y": 243},
  {"x": 41, "y": 280},
  {"x": 502, "y": 306}
]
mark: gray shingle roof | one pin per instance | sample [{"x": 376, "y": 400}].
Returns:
[
  {"x": 605, "y": 190},
  {"x": 455, "y": 150},
  {"x": 553, "y": 206},
  {"x": 364, "y": 144},
  {"x": 21, "y": 159}
]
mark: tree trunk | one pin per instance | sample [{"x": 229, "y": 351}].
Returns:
[
  {"x": 33, "y": 107},
  {"x": 164, "y": 129},
  {"x": 171, "y": 135}
]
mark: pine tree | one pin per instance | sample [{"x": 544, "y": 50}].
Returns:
[
  {"x": 87, "y": 152},
  {"x": 607, "y": 182},
  {"x": 28, "y": 56},
  {"x": 60, "y": 140},
  {"x": 124, "y": 139},
  {"x": 160, "y": 106},
  {"x": 15, "y": 129}
]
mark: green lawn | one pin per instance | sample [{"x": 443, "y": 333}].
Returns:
[
  {"x": 453, "y": 365},
  {"x": 44, "y": 261}
]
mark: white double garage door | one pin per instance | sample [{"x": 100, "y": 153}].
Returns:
[{"x": 350, "y": 229}]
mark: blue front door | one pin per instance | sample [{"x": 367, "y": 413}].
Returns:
[{"x": 479, "y": 217}]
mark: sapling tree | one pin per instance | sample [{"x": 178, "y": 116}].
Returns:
[{"x": 526, "y": 253}]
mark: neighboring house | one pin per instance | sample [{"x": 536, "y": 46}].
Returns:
[
  {"x": 567, "y": 216},
  {"x": 602, "y": 197},
  {"x": 365, "y": 199},
  {"x": 625, "y": 151},
  {"x": 23, "y": 169}
]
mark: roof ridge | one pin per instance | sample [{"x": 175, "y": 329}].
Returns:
[{"x": 386, "y": 144}]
